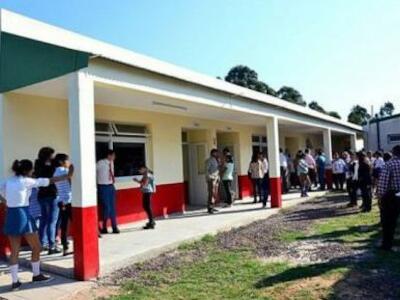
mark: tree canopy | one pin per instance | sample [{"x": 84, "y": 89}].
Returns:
[
  {"x": 334, "y": 114},
  {"x": 386, "y": 109},
  {"x": 315, "y": 106},
  {"x": 358, "y": 115},
  {"x": 290, "y": 94},
  {"x": 248, "y": 78}
]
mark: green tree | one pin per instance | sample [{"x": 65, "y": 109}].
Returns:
[
  {"x": 248, "y": 78},
  {"x": 386, "y": 109},
  {"x": 290, "y": 94},
  {"x": 358, "y": 115},
  {"x": 334, "y": 114},
  {"x": 262, "y": 87},
  {"x": 315, "y": 106},
  {"x": 243, "y": 76}
]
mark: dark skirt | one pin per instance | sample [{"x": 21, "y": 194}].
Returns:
[{"x": 19, "y": 221}]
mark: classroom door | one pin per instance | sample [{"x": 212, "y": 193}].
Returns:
[{"x": 197, "y": 184}]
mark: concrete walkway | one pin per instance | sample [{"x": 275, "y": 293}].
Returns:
[{"x": 134, "y": 245}]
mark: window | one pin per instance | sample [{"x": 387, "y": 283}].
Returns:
[
  {"x": 259, "y": 143},
  {"x": 128, "y": 142},
  {"x": 393, "y": 138}
]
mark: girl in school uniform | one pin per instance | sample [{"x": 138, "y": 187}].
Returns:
[
  {"x": 147, "y": 187},
  {"x": 19, "y": 223}
]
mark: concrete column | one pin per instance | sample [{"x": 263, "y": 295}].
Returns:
[
  {"x": 327, "y": 142},
  {"x": 274, "y": 165},
  {"x": 84, "y": 194},
  {"x": 353, "y": 142}
]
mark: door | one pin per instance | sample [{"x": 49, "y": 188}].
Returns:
[{"x": 197, "y": 169}]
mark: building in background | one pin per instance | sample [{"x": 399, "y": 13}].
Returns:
[
  {"x": 82, "y": 96},
  {"x": 382, "y": 133}
]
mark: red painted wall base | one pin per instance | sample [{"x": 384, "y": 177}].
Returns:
[
  {"x": 169, "y": 198},
  {"x": 86, "y": 245},
  {"x": 275, "y": 185},
  {"x": 245, "y": 187}
]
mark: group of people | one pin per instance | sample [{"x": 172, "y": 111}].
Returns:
[
  {"x": 38, "y": 198},
  {"x": 219, "y": 169}
]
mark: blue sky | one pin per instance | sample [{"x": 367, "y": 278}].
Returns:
[{"x": 337, "y": 52}]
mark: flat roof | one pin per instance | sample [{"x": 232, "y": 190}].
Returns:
[{"x": 19, "y": 25}]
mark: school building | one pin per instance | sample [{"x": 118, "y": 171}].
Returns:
[{"x": 81, "y": 96}]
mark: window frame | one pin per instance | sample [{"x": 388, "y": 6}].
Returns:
[
  {"x": 393, "y": 135},
  {"x": 112, "y": 138},
  {"x": 260, "y": 144}
]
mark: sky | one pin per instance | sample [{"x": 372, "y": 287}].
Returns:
[{"x": 337, "y": 52}]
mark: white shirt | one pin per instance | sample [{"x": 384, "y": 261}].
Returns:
[
  {"x": 379, "y": 163},
  {"x": 265, "y": 165},
  {"x": 338, "y": 166},
  {"x": 17, "y": 189},
  {"x": 283, "y": 160},
  {"x": 104, "y": 176}
]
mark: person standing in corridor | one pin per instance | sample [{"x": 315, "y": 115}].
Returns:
[
  {"x": 106, "y": 190},
  {"x": 213, "y": 180}
]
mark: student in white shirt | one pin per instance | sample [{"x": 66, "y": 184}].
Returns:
[
  {"x": 16, "y": 191},
  {"x": 227, "y": 178},
  {"x": 338, "y": 171},
  {"x": 256, "y": 174},
  {"x": 284, "y": 171},
  {"x": 106, "y": 190},
  {"x": 265, "y": 181}
]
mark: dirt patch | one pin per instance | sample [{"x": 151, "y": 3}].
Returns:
[
  {"x": 308, "y": 288},
  {"x": 263, "y": 237}
]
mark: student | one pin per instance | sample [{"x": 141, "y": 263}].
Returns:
[
  {"x": 377, "y": 166},
  {"x": 106, "y": 190},
  {"x": 16, "y": 190},
  {"x": 265, "y": 180},
  {"x": 147, "y": 187},
  {"x": 64, "y": 197},
  {"x": 321, "y": 163},
  {"x": 256, "y": 174},
  {"x": 213, "y": 180},
  {"x": 312, "y": 174},
  {"x": 365, "y": 181},
  {"x": 44, "y": 168},
  {"x": 283, "y": 166},
  {"x": 338, "y": 170},
  {"x": 227, "y": 178},
  {"x": 302, "y": 172}
]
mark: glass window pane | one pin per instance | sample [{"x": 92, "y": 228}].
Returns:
[
  {"x": 103, "y": 127},
  {"x": 129, "y": 156},
  {"x": 130, "y": 129},
  {"x": 264, "y": 139},
  {"x": 255, "y": 139}
]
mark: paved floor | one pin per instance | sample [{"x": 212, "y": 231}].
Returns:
[{"x": 135, "y": 244}]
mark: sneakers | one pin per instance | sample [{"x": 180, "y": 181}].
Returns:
[
  {"x": 115, "y": 231},
  {"x": 16, "y": 286},
  {"x": 149, "y": 226},
  {"x": 54, "y": 251},
  {"x": 212, "y": 210},
  {"x": 41, "y": 278},
  {"x": 104, "y": 231}
]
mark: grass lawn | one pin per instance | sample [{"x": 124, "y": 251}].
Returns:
[{"x": 239, "y": 274}]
